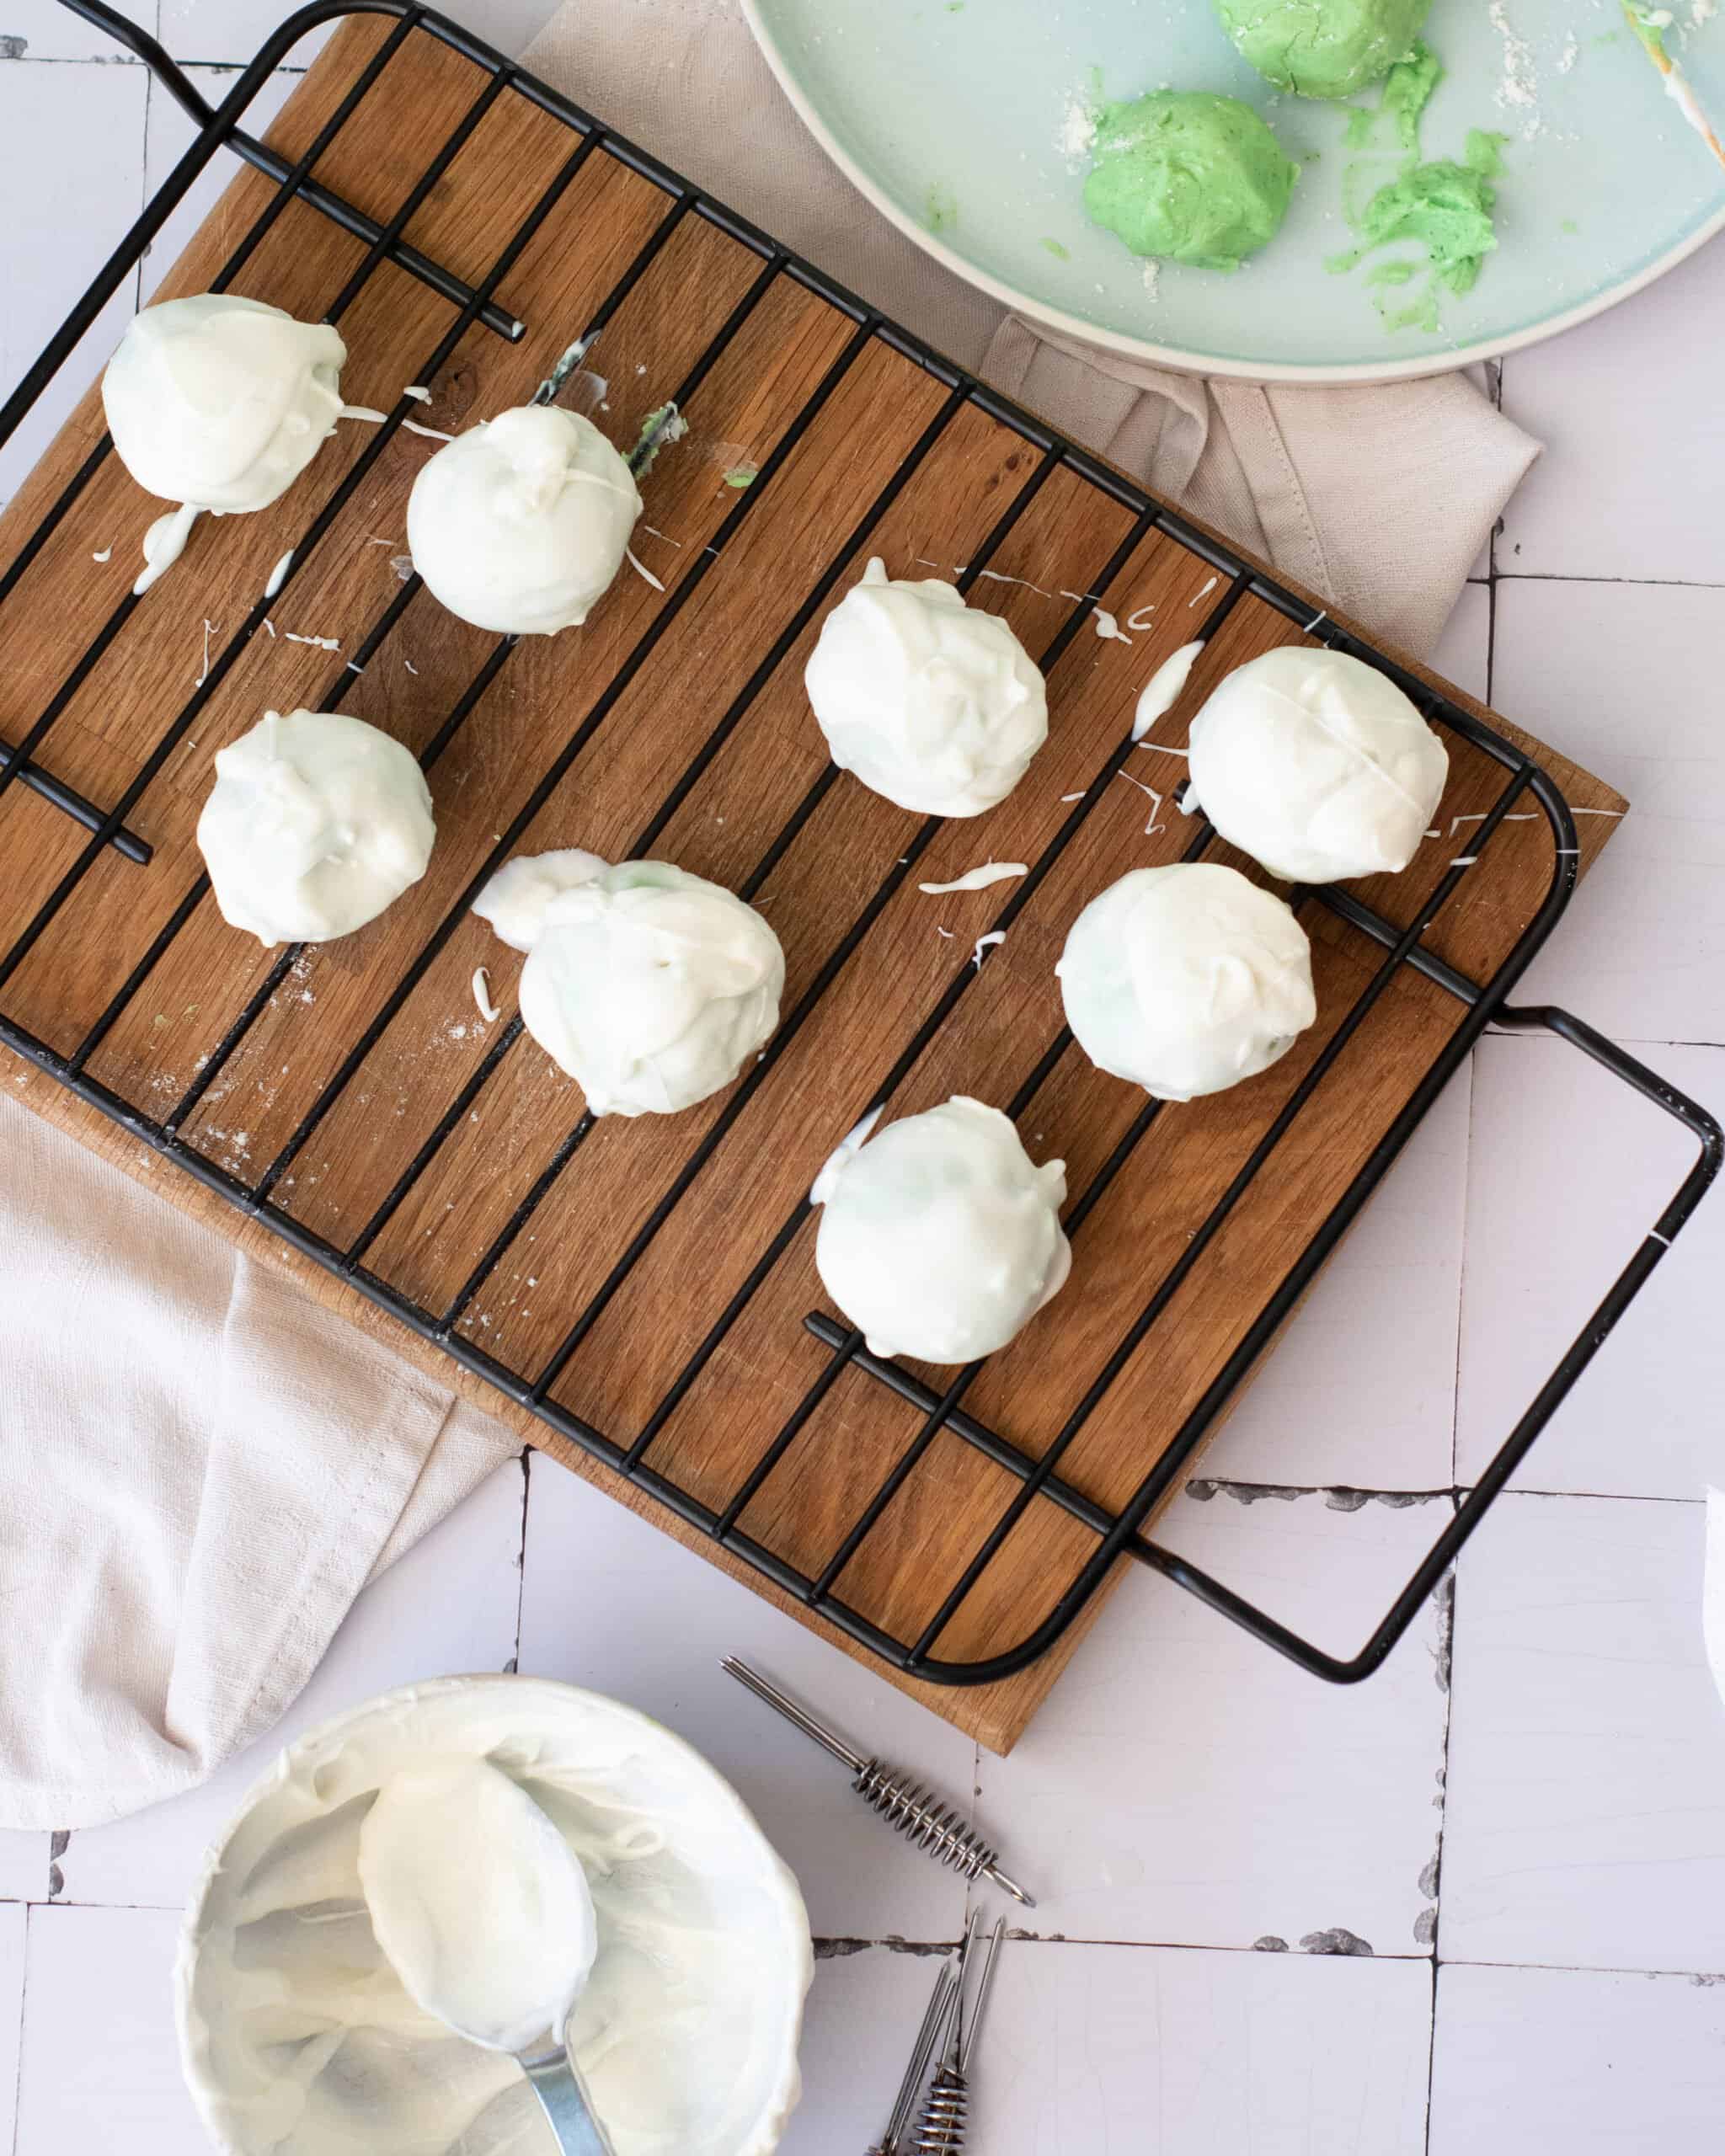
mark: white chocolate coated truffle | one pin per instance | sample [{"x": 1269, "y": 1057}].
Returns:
[
  {"x": 1186, "y": 979},
  {"x": 516, "y": 900},
  {"x": 932, "y": 703},
  {"x": 651, "y": 987},
  {"x": 220, "y": 402},
  {"x": 520, "y": 524},
  {"x": 1316, "y": 766},
  {"x": 316, "y": 823},
  {"x": 939, "y": 1238}
]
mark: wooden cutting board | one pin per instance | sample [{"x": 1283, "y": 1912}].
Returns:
[{"x": 737, "y": 565}]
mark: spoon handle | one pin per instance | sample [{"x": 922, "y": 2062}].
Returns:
[{"x": 559, "y": 2090}]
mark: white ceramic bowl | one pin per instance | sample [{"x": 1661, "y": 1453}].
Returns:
[{"x": 297, "y": 2040}]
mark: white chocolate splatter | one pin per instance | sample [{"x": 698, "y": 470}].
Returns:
[{"x": 978, "y": 879}]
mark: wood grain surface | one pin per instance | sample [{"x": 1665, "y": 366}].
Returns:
[{"x": 366, "y": 1074}]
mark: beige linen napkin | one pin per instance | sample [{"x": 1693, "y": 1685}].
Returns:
[
  {"x": 201, "y": 1466},
  {"x": 1379, "y": 498}
]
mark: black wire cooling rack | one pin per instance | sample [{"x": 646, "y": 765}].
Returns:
[{"x": 1116, "y": 1533}]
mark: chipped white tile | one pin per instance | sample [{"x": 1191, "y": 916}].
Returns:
[
  {"x": 46, "y": 30},
  {"x": 1463, "y": 655},
  {"x": 1553, "y": 2062},
  {"x": 1587, "y": 1742},
  {"x": 49, "y": 260},
  {"x": 24, "y": 1859},
  {"x": 1183, "y": 1783},
  {"x": 12, "y": 1925},
  {"x": 1156, "y": 2052},
  {"x": 863, "y": 2013},
  {"x": 111, "y": 1970},
  {"x": 1624, "y": 679},
  {"x": 1607, "y": 499}
]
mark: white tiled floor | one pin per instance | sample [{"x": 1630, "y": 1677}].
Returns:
[
  {"x": 1155, "y": 2051},
  {"x": 1610, "y": 499},
  {"x": 1185, "y": 1795},
  {"x": 1550, "y": 1230},
  {"x": 99, "y": 2066},
  {"x": 99, "y": 193},
  {"x": 1625, "y": 677},
  {"x": 1586, "y": 1816},
  {"x": 1464, "y": 653},
  {"x": 24, "y": 1866},
  {"x": 14, "y": 1923},
  {"x": 863, "y": 2011},
  {"x": 1182, "y": 1784},
  {"x": 1598, "y": 2061}
]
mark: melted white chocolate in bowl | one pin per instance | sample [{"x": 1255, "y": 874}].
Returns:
[{"x": 299, "y": 2039}]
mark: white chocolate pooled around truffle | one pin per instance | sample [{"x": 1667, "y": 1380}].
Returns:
[
  {"x": 521, "y": 525},
  {"x": 651, "y": 987},
  {"x": 938, "y": 1237},
  {"x": 316, "y": 823},
  {"x": 934, "y": 703},
  {"x": 1316, "y": 765},
  {"x": 516, "y": 900},
  {"x": 219, "y": 403},
  {"x": 1186, "y": 979}
]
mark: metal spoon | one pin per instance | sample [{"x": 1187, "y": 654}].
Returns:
[
  {"x": 556, "y": 2080},
  {"x": 438, "y": 1921}
]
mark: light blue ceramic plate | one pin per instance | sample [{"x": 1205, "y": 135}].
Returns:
[{"x": 950, "y": 117}]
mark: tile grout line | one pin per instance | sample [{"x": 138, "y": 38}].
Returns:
[
  {"x": 1579, "y": 576},
  {"x": 1586, "y": 1969},
  {"x": 1467, "y": 1144},
  {"x": 1447, "y": 1619},
  {"x": 18, "y": 2071},
  {"x": 1495, "y": 371},
  {"x": 137, "y": 274},
  {"x": 897, "y": 1942},
  {"x": 526, "y": 1459},
  {"x": 1249, "y": 1493},
  {"x": 1624, "y": 1040},
  {"x": 1447, "y": 1649},
  {"x": 1461, "y": 1284}
]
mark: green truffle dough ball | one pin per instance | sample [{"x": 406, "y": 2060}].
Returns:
[
  {"x": 1323, "y": 48},
  {"x": 1190, "y": 177}
]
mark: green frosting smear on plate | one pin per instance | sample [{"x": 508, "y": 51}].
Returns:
[
  {"x": 1407, "y": 91},
  {"x": 1322, "y": 48},
  {"x": 1446, "y": 206},
  {"x": 1188, "y": 176}
]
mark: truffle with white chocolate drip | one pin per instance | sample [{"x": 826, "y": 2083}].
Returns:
[
  {"x": 1186, "y": 979},
  {"x": 932, "y": 703},
  {"x": 651, "y": 987},
  {"x": 1316, "y": 765},
  {"x": 939, "y": 1238},
  {"x": 520, "y": 524},
  {"x": 218, "y": 403},
  {"x": 316, "y": 823}
]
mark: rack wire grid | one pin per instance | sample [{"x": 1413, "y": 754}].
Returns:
[{"x": 1115, "y": 1532}]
